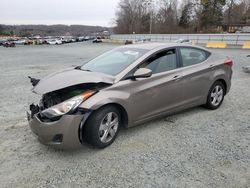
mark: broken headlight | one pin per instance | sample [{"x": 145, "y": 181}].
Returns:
[{"x": 67, "y": 106}]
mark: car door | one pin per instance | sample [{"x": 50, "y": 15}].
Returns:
[
  {"x": 160, "y": 92},
  {"x": 196, "y": 74}
]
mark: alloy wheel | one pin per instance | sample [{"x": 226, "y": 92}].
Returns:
[
  {"x": 216, "y": 95},
  {"x": 108, "y": 127}
]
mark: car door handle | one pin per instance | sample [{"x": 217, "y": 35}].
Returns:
[
  {"x": 211, "y": 66},
  {"x": 176, "y": 77}
]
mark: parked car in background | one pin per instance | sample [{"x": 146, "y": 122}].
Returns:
[
  {"x": 20, "y": 42},
  {"x": 128, "y": 42},
  {"x": 80, "y": 39},
  {"x": 9, "y": 44},
  {"x": 137, "y": 41},
  {"x": 28, "y": 42},
  {"x": 42, "y": 41},
  {"x": 73, "y": 39},
  {"x": 86, "y": 38},
  {"x": 184, "y": 41},
  {"x": 2, "y": 41},
  {"x": 54, "y": 41},
  {"x": 97, "y": 40},
  {"x": 66, "y": 39},
  {"x": 125, "y": 87}
]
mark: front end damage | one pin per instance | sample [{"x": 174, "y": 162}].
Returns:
[{"x": 57, "y": 120}]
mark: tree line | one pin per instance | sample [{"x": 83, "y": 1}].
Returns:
[
  {"x": 186, "y": 16},
  {"x": 50, "y": 30}
]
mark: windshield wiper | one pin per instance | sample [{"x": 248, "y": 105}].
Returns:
[
  {"x": 86, "y": 70},
  {"x": 80, "y": 68}
]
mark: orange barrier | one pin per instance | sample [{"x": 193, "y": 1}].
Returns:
[
  {"x": 246, "y": 45},
  {"x": 216, "y": 44}
]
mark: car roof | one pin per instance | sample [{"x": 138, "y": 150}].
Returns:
[
  {"x": 147, "y": 46},
  {"x": 151, "y": 46}
]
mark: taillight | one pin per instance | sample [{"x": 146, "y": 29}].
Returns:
[{"x": 229, "y": 62}]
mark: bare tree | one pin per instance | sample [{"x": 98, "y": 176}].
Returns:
[
  {"x": 171, "y": 16},
  {"x": 131, "y": 17},
  {"x": 236, "y": 12},
  {"x": 186, "y": 14},
  {"x": 166, "y": 18}
]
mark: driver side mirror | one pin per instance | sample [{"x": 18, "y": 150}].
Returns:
[{"x": 142, "y": 73}]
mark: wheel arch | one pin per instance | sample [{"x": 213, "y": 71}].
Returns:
[
  {"x": 222, "y": 76},
  {"x": 223, "y": 82},
  {"x": 122, "y": 110},
  {"x": 208, "y": 103},
  {"x": 218, "y": 79}
]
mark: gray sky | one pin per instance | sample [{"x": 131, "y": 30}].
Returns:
[{"x": 84, "y": 12}]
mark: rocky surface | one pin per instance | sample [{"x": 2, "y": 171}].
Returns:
[{"x": 194, "y": 148}]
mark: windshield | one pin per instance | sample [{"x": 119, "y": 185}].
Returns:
[{"x": 115, "y": 61}]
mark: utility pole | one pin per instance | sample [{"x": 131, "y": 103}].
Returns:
[
  {"x": 149, "y": 7},
  {"x": 151, "y": 21},
  {"x": 229, "y": 15}
]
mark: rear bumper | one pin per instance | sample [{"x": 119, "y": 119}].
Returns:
[
  {"x": 61, "y": 134},
  {"x": 228, "y": 87},
  {"x": 229, "y": 82}
]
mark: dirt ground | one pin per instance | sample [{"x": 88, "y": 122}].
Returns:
[{"x": 194, "y": 148}]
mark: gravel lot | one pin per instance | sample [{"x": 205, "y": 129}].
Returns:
[{"x": 195, "y": 148}]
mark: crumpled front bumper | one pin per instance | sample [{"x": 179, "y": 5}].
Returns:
[{"x": 61, "y": 134}]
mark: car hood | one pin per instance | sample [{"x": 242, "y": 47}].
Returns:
[{"x": 70, "y": 77}]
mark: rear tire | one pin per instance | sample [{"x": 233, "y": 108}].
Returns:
[
  {"x": 102, "y": 127},
  {"x": 215, "y": 96}
]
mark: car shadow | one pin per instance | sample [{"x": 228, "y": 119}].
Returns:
[
  {"x": 88, "y": 150},
  {"x": 172, "y": 118}
]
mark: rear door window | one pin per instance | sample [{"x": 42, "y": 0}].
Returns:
[{"x": 192, "y": 56}]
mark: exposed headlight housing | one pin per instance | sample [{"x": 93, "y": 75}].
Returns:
[{"x": 67, "y": 106}]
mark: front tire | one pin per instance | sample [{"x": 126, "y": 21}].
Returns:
[
  {"x": 215, "y": 96},
  {"x": 102, "y": 127}
]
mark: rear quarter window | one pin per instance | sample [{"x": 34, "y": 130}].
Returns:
[{"x": 192, "y": 56}]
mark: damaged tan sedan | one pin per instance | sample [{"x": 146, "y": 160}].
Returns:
[{"x": 125, "y": 87}]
